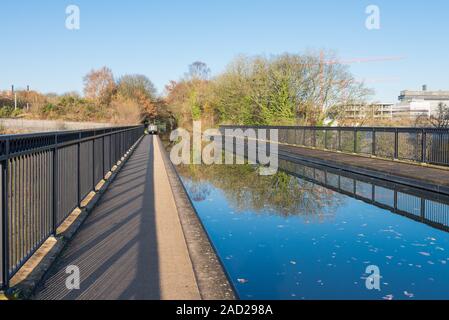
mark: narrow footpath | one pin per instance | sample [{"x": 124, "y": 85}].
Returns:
[{"x": 132, "y": 244}]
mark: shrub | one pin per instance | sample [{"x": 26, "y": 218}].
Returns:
[
  {"x": 48, "y": 109},
  {"x": 6, "y": 112}
]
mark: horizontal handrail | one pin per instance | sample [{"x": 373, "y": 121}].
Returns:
[
  {"x": 430, "y": 129},
  {"x": 50, "y": 140}
]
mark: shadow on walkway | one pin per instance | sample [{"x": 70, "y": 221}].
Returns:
[{"x": 116, "y": 249}]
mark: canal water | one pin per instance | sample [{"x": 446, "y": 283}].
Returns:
[{"x": 311, "y": 233}]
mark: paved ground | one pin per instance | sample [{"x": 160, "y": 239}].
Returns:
[
  {"x": 132, "y": 245},
  {"x": 430, "y": 178}
]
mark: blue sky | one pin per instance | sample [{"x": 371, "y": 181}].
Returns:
[{"x": 161, "y": 38}]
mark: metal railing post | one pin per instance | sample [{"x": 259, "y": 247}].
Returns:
[
  {"x": 4, "y": 230},
  {"x": 424, "y": 146},
  {"x": 339, "y": 139},
  {"x": 104, "y": 159},
  {"x": 79, "y": 170},
  {"x": 396, "y": 144},
  {"x": 325, "y": 139},
  {"x": 93, "y": 161},
  {"x": 110, "y": 151},
  {"x": 374, "y": 142},
  {"x": 55, "y": 187},
  {"x": 355, "y": 140}
]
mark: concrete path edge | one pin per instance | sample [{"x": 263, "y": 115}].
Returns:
[{"x": 212, "y": 280}]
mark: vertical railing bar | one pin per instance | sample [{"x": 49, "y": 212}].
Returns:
[
  {"x": 4, "y": 230},
  {"x": 14, "y": 210},
  {"x": 339, "y": 139},
  {"x": 55, "y": 186},
  {"x": 325, "y": 139},
  {"x": 21, "y": 205},
  {"x": 396, "y": 144},
  {"x": 103, "y": 158},
  {"x": 355, "y": 140},
  {"x": 93, "y": 162},
  {"x": 424, "y": 146},
  {"x": 78, "y": 171}
]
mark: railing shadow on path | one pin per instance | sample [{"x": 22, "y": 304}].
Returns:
[{"x": 116, "y": 249}]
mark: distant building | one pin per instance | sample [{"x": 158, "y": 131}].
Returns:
[
  {"x": 412, "y": 104},
  {"x": 422, "y": 102},
  {"x": 373, "y": 110}
]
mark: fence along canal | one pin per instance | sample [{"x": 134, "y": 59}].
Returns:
[
  {"x": 44, "y": 177},
  {"x": 421, "y": 145}
]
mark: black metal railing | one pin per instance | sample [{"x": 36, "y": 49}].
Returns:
[
  {"x": 422, "y": 145},
  {"x": 44, "y": 177}
]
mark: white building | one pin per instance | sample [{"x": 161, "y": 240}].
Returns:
[
  {"x": 412, "y": 104},
  {"x": 423, "y": 102}
]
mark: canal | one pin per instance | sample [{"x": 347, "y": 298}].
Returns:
[{"x": 312, "y": 232}]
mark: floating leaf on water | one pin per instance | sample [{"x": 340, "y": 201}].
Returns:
[
  {"x": 293, "y": 262},
  {"x": 409, "y": 294},
  {"x": 242, "y": 281},
  {"x": 426, "y": 254},
  {"x": 388, "y": 297}
]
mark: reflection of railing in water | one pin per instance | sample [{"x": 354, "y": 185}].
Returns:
[{"x": 426, "y": 207}]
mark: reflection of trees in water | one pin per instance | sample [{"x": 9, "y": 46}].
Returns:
[
  {"x": 246, "y": 190},
  {"x": 199, "y": 190}
]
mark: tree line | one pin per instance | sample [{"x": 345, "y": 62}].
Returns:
[
  {"x": 288, "y": 89},
  {"x": 129, "y": 99}
]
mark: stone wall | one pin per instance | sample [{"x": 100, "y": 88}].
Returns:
[{"x": 48, "y": 125}]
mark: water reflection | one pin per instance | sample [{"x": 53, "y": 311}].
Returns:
[
  {"x": 427, "y": 207},
  {"x": 246, "y": 190},
  {"x": 312, "y": 191},
  {"x": 310, "y": 232}
]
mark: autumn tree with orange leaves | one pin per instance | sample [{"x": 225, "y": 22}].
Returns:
[{"x": 99, "y": 86}]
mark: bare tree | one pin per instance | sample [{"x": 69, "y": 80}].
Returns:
[
  {"x": 198, "y": 71},
  {"x": 441, "y": 117},
  {"x": 131, "y": 86}
]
